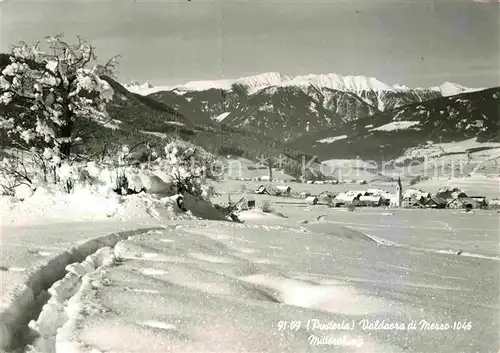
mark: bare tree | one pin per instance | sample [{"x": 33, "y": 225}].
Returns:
[{"x": 267, "y": 160}]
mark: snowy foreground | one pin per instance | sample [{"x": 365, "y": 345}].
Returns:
[{"x": 269, "y": 285}]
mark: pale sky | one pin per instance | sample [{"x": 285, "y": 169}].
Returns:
[{"x": 418, "y": 43}]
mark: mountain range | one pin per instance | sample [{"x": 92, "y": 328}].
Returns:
[
  {"x": 286, "y": 108},
  {"x": 328, "y": 116},
  {"x": 355, "y": 84}
]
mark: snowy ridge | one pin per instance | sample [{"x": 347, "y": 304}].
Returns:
[
  {"x": 137, "y": 84},
  {"x": 255, "y": 82},
  {"x": 144, "y": 88},
  {"x": 331, "y": 80},
  {"x": 342, "y": 83},
  {"x": 450, "y": 89}
]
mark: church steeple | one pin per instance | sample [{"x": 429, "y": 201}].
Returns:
[{"x": 399, "y": 193}]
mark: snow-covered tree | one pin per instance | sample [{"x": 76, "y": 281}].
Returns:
[
  {"x": 47, "y": 92},
  {"x": 191, "y": 169}
]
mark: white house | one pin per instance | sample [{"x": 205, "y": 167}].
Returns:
[
  {"x": 494, "y": 203},
  {"x": 357, "y": 193},
  {"x": 262, "y": 190},
  {"x": 326, "y": 196},
  {"x": 458, "y": 195},
  {"x": 411, "y": 192},
  {"x": 416, "y": 194},
  {"x": 346, "y": 198},
  {"x": 413, "y": 202},
  {"x": 312, "y": 200},
  {"x": 283, "y": 189},
  {"x": 386, "y": 195},
  {"x": 304, "y": 194},
  {"x": 371, "y": 200},
  {"x": 245, "y": 203}
]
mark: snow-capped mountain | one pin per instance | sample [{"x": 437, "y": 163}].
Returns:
[
  {"x": 451, "y": 89},
  {"x": 353, "y": 84},
  {"x": 286, "y": 107},
  {"x": 252, "y": 83},
  {"x": 140, "y": 88},
  {"x": 330, "y": 80}
]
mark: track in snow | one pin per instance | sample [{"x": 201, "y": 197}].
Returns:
[{"x": 38, "y": 307}]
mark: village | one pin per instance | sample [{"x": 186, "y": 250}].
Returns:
[{"x": 411, "y": 198}]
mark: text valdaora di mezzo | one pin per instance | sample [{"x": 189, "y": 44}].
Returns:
[{"x": 373, "y": 325}]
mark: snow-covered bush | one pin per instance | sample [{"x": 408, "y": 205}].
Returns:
[
  {"x": 191, "y": 169},
  {"x": 19, "y": 167},
  {"x": 68, "y": 176},
  {"x": 266, "y": 206},
  {"x": 23, "y": 192},
  {"x": 183, "y": 168},
  {"x": 12, "y": 174},
  {"x": 22, "y": 168}
]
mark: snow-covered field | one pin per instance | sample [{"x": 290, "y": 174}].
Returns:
[
  {"x": 223, "y": 287},
  {"x": 92, "y": 271},
  {"x": 317, "y": 279}
]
